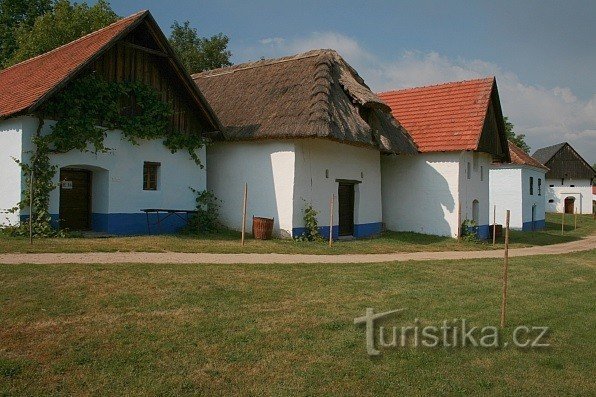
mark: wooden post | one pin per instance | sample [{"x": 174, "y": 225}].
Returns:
[
  {"x": 244, "y": 211},
  {"x": 494, "y": 224},
  {"x": 31, "y": 207},
  {"x": 458, "y": 221},
  {"x": 505, "y": 272},
  {"x": 562, "y": 221},
  {"x": 331, "y": 220}
]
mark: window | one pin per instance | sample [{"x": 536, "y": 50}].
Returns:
[
  {"x": 571, "y": 185},
  {"x": 551, "y": 200},
  {"x": 562, "y": 181},
  {"x": 150, "y": 175},
  {"x": 552, "y": 185},
  {"x": 540, "y": 186},
  {"x": 481, "y": 173},
  {"x": 531, "y": 186},
  {"x": 476, "y": 211},
  {"x": 469, "y": 170}
]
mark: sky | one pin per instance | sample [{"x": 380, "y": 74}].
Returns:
[{"x": 543, "y": 53}]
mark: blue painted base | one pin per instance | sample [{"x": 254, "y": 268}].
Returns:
[
  {"x": 533, "y": 226},
  {"x": 360, "y": 231},
  {"x": 483, "y": 232},
  {"x": 129, "y": 224}
]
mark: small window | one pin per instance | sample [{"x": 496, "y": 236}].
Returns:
[
  {"x": 476, "y": 211},
  {"x": 531, "y": 186},
  {"x": 469, "y": 170},
  {"x": 562, "y": 181},
  {"x": 551, "y": 200},
  {"x": 551, "y": 185},
  {"x": 571, "y": 185},
  {"x": 150, "y": 175},
  {"x": 540, "y": 186},
  {"x": 481, "y": 173}
]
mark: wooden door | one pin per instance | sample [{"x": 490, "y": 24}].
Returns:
[
  {"x": 569, "y": 204},
  {"x": 75, "y": 199},
  {"x": 345, "y": 196}
]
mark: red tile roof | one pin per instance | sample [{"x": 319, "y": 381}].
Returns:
[
  {"x": 444, "y": 117},
  {"x": 24, "y": 84},
  {"x": 520, "y": 157}
]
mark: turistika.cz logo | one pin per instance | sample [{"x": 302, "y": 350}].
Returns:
[{"x": 450, "y": 334}]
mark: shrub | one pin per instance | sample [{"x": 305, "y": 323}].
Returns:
[
  {"x": 206, "y": 220},
  {"x": 310, "y": 224}
]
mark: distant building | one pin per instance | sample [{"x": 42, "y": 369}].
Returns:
[
  {"x": 520, "y": 187},
  {"x": 569, "y": 179},
  {"x": 459, "y": 129}
]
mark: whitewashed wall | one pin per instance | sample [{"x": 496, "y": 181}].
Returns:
[
  {"x": 475, "y": 188},
  {"x": 510, "y": 190},
  {"x": 10, "y": 172},
  {"x": 506, "y": 194},
  {"x": 420, "y": 193},
  {"x": 582, "y": 191},
  {"x": 267, "y": 167},
  {"x": 316, "y": 156},
  {"x": 117, "y": 179}
]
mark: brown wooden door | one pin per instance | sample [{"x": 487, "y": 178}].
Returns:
[
  {"x": 569, "y": 204},
  {"x": 75, "y": 199},
  {"x": 345, "y": 196}
]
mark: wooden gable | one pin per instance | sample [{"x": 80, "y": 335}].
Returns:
[
  {"x": 567, "y": 163},
  {"x": 493, "y": 139}
]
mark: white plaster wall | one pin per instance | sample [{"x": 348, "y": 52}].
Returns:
[
  {"x": 10, "y": 172},
  {"x": 582, "y": 191},
  {"x": 267, "y": 167},
  {"x": 118, "y": 174},
  {"x": 420, "y": 193},
  {"x": 533, "y": 200},
  {"x": 476, "y": 187},
  {"x": 314, "y": 157},
  {"x": 506, "y": 194}
]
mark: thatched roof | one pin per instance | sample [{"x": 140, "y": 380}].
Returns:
[{"x": 315, "y": 94}]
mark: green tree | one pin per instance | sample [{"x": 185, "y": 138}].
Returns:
[
  {"x": 518, "y": 139},
  {"x": 15, "y": 14},
  {"x": 64, "y": 23},
  {"x": 199, "y": 53}
]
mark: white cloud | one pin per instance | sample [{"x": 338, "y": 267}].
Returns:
[{"x": 546, "y": 115}]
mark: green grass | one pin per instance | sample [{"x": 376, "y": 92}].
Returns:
[
  {"x": 288, "y": 329},
  {"x": 229, "y": 242}
]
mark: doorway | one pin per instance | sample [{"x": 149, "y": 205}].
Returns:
[
  {"x": 534, "y": 217},
  {"x": 75, "y": 199},
  {"x": 345, "y": 196},
  {"x": 569, "y": 205}
]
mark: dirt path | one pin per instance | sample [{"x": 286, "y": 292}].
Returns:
[{"x": 177, "y": 257}]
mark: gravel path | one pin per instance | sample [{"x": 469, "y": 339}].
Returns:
[{"x": 177, "y": 257}]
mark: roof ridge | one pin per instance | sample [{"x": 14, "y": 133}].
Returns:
[
  {"x": 121, "y": 20},
  {"x": 261, "y": 63},
  {"x": 319, "y": 106},
  {"x": 437, "y": 85}
]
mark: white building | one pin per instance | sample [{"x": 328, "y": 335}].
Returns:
[
  {"x": 520, "y": 187},
  {"x": 459, "y": 130},
  {"x": 300, "y": 130},
  {"x": 105, "y": 192},
  {"x": 568, "y": 181}
]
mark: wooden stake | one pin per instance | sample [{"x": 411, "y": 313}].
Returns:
[
  {"x": 505, "y": 272},
  {"x": 494, "y": 224},
  {"x": 331, "y": 220},
  {"x": 31, "y": 207},
  {"x": 244, "y": 211},
  {"x": 458, "y": 221},
  {"x": 562, "y": 222}
]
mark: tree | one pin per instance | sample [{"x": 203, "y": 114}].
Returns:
[
  {"x": 64, "y": 23},
  {"x": 518, "y": 139},
  {"x": 199, "y": 53},
  {"x": 15, "y": 14}
]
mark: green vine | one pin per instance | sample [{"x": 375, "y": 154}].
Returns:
[
  {"x": 310, "y": 224},
  {"x": 86, "y": 111}
]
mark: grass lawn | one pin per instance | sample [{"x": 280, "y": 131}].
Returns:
[
  {"x": 288, "y": 329},
  {"x": 229, "y": 242}
]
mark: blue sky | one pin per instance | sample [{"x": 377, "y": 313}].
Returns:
[{"x": 542, "y": 52}]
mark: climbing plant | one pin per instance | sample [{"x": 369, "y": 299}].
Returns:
[
  {"x": 86, "y": 110},
  {"x": 311, "y": 224}
]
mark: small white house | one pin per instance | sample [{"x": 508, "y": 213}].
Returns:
[
  {"x": 520, "y": 187},
  {"x": 459, "y": 130},
  {"x": 568, "y": 181},
  {"x": 299, "y": 130},
  {"x": 105, "y": 192}
]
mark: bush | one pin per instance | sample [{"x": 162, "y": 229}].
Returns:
[
  {"x": 469, "y": 231},
  {"x": 310, "y": 224},
  {"x": 206, "y": 220}
]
